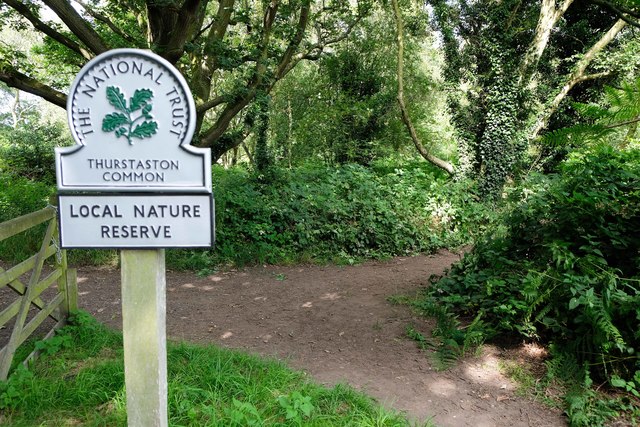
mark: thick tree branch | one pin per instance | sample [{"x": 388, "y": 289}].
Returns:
[
  {"x": 14, "y": 78},
  {"x": 547, "y": 19},
  {"x": 77, "y": 25},
  {"x": 212, "y": 103},
  {"x": 406, "y": 119},
  {"x": 207, "y": 64},
  {"x": 294, "y": 44},
  {"x": 233, "y": 108},
  {"x": 23, "y": 10},
  {"x": 216, "y": 131},
  {"x": 104, "y": 19},
  {"x": 223, "y": 18},
  {"x": 577, "y": 76}
]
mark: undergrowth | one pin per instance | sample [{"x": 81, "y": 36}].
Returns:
[
  {"x": 311, "y": 213},
  {"x": 79, "y": 380},
  {"x": 340, "y": 214},
  {"x": 564, "y": 270}
]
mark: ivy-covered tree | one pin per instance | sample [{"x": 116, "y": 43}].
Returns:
[
  {"x": 228, "y": 50},
  {"x": 511, "y": 64}
]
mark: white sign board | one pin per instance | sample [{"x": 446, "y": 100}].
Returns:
[
  {"x": 136, "y": 221},
  {"x": 133, "y": 117}
]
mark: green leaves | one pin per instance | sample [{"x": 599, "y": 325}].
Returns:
[
  {"x": 122, "y": 122},
  {"x": 116, "y": 98},
  {"x": 140, "y": 98},
  {"x": 614, "y": 124},
  {"x": 112, "y": 121},
  {"x": 565, "y": 268},
  {"x": 296, "y": 406},
  {"x": 145, "y": 130}
]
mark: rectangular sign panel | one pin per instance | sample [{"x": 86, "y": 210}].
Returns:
[
  {"x": 136, "y": 221},
  {"x": 149, "y": 169}
]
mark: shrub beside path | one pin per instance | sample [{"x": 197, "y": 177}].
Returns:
[{"x": 336, "y": 324}]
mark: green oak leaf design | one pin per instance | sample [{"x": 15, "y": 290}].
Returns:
[{"x": 123, "y": 123}]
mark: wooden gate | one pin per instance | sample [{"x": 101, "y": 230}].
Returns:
[{"x": 28, "y": 308}]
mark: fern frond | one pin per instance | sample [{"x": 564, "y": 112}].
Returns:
[
  {"x": 578, "y": 135},
  {"x": 592, "y": 111},
  {"x": 614, "y": 96},
  {"x": 606, "y": 333},
  {"x": 543, "y": 312},
  {"x": 623, "y": 111},
  {"x": 624, "y": 101}
]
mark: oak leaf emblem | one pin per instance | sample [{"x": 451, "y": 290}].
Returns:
[{"x": 123, "y": 122}]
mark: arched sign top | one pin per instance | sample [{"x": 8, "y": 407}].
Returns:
[
  {"x": 132, "y": 116},
  {"x": 131, "y": 89}
]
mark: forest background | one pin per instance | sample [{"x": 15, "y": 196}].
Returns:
[{"x": 345, "y": 130}]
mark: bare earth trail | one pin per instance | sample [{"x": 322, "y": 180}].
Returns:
[{"x": 336, "y": 324}]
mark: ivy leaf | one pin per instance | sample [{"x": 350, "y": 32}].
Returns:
[
  {"x": 145, "y": 130},
  {"x": 140, "y": 98},
  {"x": 112, "y": 121},
  {"x": 116, "y": 98}
]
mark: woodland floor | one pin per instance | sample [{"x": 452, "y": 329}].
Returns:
[{"x": 336, "y": 324}]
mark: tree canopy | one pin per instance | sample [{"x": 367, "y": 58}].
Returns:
[
  {"x": 230, "y": 51},
  {"x": 511, "y": 70}
]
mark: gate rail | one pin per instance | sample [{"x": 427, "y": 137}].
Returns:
[{"x": 29, "y": 294}]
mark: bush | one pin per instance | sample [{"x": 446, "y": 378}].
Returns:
[
  {"x": 341, "y": 214},
  {"x": 566, "y": 268},
  {"x": 20, "y": 196},
  {"x": 29, "y": 152}
]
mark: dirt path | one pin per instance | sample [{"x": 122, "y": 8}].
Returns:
[{"x": 335, "y": 324}]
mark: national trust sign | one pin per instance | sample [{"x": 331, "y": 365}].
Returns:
[{"x": 133, "y": 180}]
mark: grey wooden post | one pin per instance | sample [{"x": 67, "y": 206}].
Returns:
[{"x": 144, "y": 333}]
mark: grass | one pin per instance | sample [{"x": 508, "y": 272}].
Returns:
[
  {"x": 79, "y": 380},
  {"x": 566, "y": 385}
]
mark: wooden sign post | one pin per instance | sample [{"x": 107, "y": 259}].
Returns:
[
  {"x": 143, "y": 328},
  {"x": 134, "y": 183}
]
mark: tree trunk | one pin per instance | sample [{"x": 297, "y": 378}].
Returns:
[
  {"x": 170, "y": 27},
  {"x": 406, "y": 119},
  {"x": 78, "y": 26}
]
